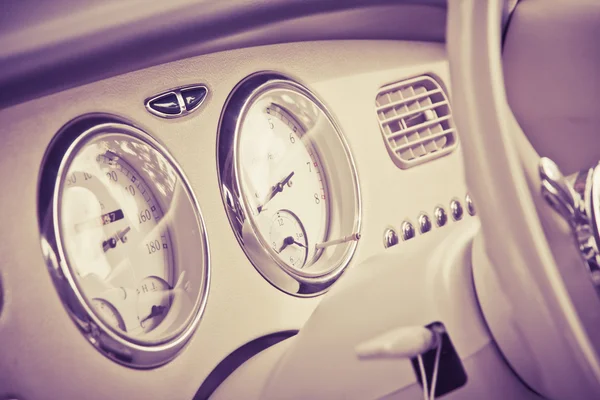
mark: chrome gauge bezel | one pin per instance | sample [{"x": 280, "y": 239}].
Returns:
[
  {"x": 280, "y": 275},
  {"x": 118, "y": 347}
]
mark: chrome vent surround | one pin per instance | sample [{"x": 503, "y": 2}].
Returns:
[{"x": 416, "y": 121}]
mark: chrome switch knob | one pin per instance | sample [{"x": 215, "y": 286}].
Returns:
[
  {"x": 578, "y": 204},
  {"x": 557, "y": 192}
]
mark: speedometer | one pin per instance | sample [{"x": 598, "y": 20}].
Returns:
[
  {"x": 289, "y": 184},
  {"x": 125, "y": 240}
]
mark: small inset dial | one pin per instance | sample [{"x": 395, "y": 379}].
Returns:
[
  {"x": 288, "y": 239},
  {"x": 109, "y": 314}
]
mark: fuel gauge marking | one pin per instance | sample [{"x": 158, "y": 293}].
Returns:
[{"x": 154, "y": 301}]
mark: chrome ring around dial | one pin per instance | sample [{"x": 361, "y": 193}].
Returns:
[
  {"x": 283, "y": 159},
  {"x": 124, "y": 240}
]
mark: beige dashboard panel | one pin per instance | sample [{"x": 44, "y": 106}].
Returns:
[{"x": 44, "y": 356}]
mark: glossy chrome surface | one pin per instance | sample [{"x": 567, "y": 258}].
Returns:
[
  {"x": 456, "y": 209},
  {"x": 424, "y": 223},
  {"x": 178, "y": 93},
  {"x": 441, "y": 217},
  {"x": 558, "y": 192},
  {"x": 470, "y": 205},
  {"x": 408, "y": 230},
  {"x": 578, "y": 202},
  {"x": 390, "y": 238},
  {"x": 119, "y": 348},
  {"x": 289, "y": 280}
]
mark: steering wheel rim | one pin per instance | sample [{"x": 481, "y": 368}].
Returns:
[{"x": 531, "y": 281}]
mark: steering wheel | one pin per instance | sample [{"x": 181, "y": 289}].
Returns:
[{"x": 535, "y": 258}]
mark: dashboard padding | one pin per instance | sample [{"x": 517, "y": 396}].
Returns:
[{"x": 58, "y": 46}]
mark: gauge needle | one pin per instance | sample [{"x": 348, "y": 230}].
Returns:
[
  {"x": 354, "y": 237},
  {"x": 154, "y": 312},
  {"x": 290, "y": 240},
  {"x": 299, "y": 244},
  {"x": 278, "y": 188},
  {"x": 111, "y": 242},
  {"x": 121, "y": 234}
]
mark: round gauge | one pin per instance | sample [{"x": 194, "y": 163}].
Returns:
[
  {"x": 125, "y": 239},
  {"x": 289, "y": 184}
]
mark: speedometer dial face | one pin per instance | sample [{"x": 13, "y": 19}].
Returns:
[
  {"x": 110, "y": 222},
  {"x": 131, "y": 242},
  {"x": 289, "y": 184}
]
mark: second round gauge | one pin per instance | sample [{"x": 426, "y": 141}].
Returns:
[{"x": 289, "y": 184}]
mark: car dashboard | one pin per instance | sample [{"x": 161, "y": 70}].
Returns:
[{"x": 190, "y": 103}]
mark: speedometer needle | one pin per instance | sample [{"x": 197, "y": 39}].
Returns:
[
  {"x": 111, "y": 242},
  {"x": 278, "y": 188}
]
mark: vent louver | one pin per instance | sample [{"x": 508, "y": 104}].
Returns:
[{"x": 416, "y": 121}]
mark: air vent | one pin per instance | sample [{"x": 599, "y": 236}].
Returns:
[{"x": 416, "y": 121}]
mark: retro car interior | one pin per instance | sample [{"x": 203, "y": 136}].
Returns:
[{"x": 300, "y": 199}]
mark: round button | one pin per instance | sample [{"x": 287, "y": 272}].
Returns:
[
  {"x": 440, "y": 216},
  {"x": 390, "y": 238},
  {"x": 408, "y": 230},
  {"x": 470, "y": 205},
  {"x": 456, "y": 210},
  {"x": 424, "y": 223}
]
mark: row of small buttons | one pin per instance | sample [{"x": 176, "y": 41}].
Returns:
[{"x": 408, "y": 231}]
